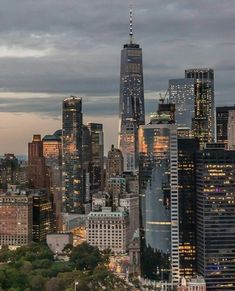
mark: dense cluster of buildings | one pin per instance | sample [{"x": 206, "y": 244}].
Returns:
[{"x": 165, "y": 196}]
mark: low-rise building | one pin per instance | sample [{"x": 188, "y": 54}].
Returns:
[
  {"x": 108, "y": 229},
  {"x": 15, "y": 219},
  {"x": 58, "y": 241}
]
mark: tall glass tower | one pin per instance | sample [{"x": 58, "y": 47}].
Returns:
[
  {"x": 72, "y": 155},
  {"x": 158, "y": 174},
  {"x": 131, "y": 102}
]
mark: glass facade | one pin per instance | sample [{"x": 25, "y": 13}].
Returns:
[
  {"x": 181, "y": 93},
  {"x": 216, "y": 217},
  {"x": 203, "y": 121},
  {"x": 73, "y": 197},
  {"x": 131, "y": 103},
  {"x": 159, "y": 201}
]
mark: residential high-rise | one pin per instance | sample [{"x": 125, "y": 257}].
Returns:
[
  {"x": 182, "y": 94},
  {"x": 222, "y": 114},
  {"x": 15, "y": 219},
  {"x": 187, "y": 149},
  {"x": 231, "y": 130},
  {"x": 158, "y": 176},
  {"x": 96, "y": 170},
  {"x": 203, "y": 121},
  {"x": 216, "y": 217},
  {"x": 131, "y": 101},
  {"x": 72, "y": 172},
  {"x": 38, "y": 172}
]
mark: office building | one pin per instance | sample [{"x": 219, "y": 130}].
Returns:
[
  {"x": 15, "y": 219},
  {"x": 96, "y": 168},
  {"x": 72, "y": 172},
  {"x": 222, "y": 114},
  {"x": 187, "y": 148},
  {"x": 130, "y": 203},
  {"x": 182, "y": 94},
  {"x": 12, "y": 171},
  {"x": 231, "y": 130},
  {"x": 114, "y": 164},
  {"x": 195, "y": 283},
  {"x": 131, "y": 101},
  {"x": 43, "y": 222},
  {"x": 158, "y": 176},
  {"x": 216, "y": 217},
  {"x": 203, "y": 121},
  {"x": 38, "y": 172},
  {"x": 108, "y": 230},
  {"x": 52, "y": 152}
]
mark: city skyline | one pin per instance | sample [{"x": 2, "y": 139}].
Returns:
[{"x": 67, "y": 54}]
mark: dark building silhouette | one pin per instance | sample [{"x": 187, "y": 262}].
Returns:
[
  {"x": 222, "y": 116},
  {"x": 43, "y": 222},
  {"x": 187, "y": 149}
]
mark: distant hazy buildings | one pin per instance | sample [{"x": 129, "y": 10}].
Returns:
[
  {"x": 131, "y": 102},
  {"x": 231, "y": 130},
  {"x": 73, "y": 197},
  {"x": 203, "y": 121},
  {"x": 216, "y": 217},
  {"x": 12, "y": 171},
  {"x": 16, "y": 219},
  {"x": 159, "y": 196}
]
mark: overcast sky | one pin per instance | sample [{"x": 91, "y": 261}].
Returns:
[{"x": 50, "y": 49}]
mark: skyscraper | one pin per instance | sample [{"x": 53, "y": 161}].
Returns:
[
  {"x": 222, "y": 114},
  {"x": 114, "y": 164},
  {"x": 158, "y": 176},
  {"x": 52, "y": 152},
  {"x": 72, "y": 171},
  {"x": 38, "y": 172},
  {"x": 216, "y": 217},
  {"x": 182, "y": 94},
  {"x": 131, "y": 101},
  {"x": 187, "y": 148},
  {"x": 97, "y": 156},
  {"x": 203, "y": 121}
]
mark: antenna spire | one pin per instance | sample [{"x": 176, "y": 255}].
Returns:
[{"x": 131, "y": 25}]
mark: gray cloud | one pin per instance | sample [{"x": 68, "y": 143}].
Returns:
[{"x": 73, "y": 46}]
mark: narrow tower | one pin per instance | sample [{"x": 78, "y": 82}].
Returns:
[{"x": 131, "y": 101}]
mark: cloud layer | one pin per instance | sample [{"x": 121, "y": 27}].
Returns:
[{"x": 53, "y": 48}]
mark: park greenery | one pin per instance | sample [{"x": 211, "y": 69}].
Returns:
[{"x": 34, "y": 267}]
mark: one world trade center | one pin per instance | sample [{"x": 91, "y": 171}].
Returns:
[{"x": 131, "y": 102}]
